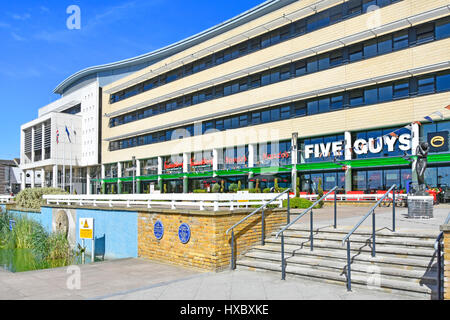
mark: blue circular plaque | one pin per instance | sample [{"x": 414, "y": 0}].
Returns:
[
  {"x": 184, "y": 233},
  {"x": 158, "y": 230}
]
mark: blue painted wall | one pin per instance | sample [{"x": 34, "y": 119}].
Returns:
[
  {"x": 116, "y": 233},
  {"x": 44, "y": 217}
]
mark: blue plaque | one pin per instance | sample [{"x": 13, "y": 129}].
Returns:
[
  {"x": 158, "y": 230},
  {"x": 184, "y": 233}
]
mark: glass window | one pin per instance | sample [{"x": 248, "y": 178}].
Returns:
[
  {"x": 426, "y": 85},
  {"x": 355, "y": 52},
  {"x": 385, "y": 93},
  {"x": 367, "y": 3},
  {"x": 275, "y": 76},
  {"x": 312, "y": 65},
  {"x": 285, "y": 112},
  {"x": 300, "y": 68},
  {"x": 285, "y": 32},
  {"x": 243, "y": 121},
  {"x": 219, "y": 125},
  {"x": 265, "y": 79},
  {"x": 375, "y": 180},
  {"x": 370, "y": 49},
  {"x": 354, "y": 7},
  {"x": 313, "y": 107},
  {"x": 371, "y": 96},
  {"x": 285, "y": 73},
  {"x": 360, "y": 181},
  {"x": 265, "y": 116},
  {"x": 319, "y": 20},
  {"x": 300, "y": 109},
  {"x": 227, "y": 124},
  {"x": 256, "y": 117},
  {"x": 324, "y": 62},
  {"x": 329, "y": 181},
  {"x": 243, "y": 85},
  {"x": 300, "y": 27},
  {"x": 425, "y": 33},
  {"x": 401, "y": 40},
  {"x": 335, "y": 14},
  {"x": 401, "y": 89},
  {"x": 391, "y": 177},
  {"x": 227, "y": 89},
  {"x": 265, "y": 41},
  {"x": 385, "y": 44},
  {"x": 255, "y": 44},
  {"x": 324, "y": 105},
  {"x": 443, "y": 29},
  {"x": 443, "y": 82},
  {"x": 255, "y": 81},
  {"x": 336, "y": 58},
  {"x": 275, "y": 114},
  {"x": 337, "y": 102},
  {"x": 356, "y": 98}
]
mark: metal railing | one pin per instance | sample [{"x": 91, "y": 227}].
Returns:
[
  {"x": 233, "y": 258},
  {"x": 438, "y": 246},
  {"x": 371, "y": 212},
  {"x": 311, "y": 237},
  {"x": 212, "y": 201},
  {"x": 355, "y": 197},
  {"x": 5, "y": 199}
]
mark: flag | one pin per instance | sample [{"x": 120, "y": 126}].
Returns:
[
  {"x": 429, "y": 119},
  {"x": 57, "y": 136},
  {"x": 393, "y": 134},
  {"x": 417, "y": 122},
  {"x": 68, "y": 134},
  {"x": 447, "y": 107},
  {"x": 440, "y": 115}
]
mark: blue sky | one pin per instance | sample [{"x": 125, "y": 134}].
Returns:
[{"x": 38, "y": 51}]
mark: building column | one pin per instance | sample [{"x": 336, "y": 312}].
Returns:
[
  {"x": 160, "y": 170},
  {"x": 119, "y": 175},
  {"x": 251, "y": 163},
  {"x": 55, "y": 176},
  {"x": 415, "y": 131},
  {"x": 294, "y": 156},
  {"x": 88, "y": 182},
  {"x": 215, "y": 162},
  {"x": 186, "y": 160},
  {"x": 23, "y": 178},
  {"x": 138, "y": 174},
  {"x": 348, "y": 156},
  {"x": 43, "y": 182},
  {"x": 33, "y": 179},
  {"x": 348, "y": 179}
]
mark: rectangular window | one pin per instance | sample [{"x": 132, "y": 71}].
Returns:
[
  {"x": 300, "y": 27},
  {"x": 219, "y": 125},
  {"x": 335, "y": 14},
  {"x": 337, "y": 102},
  {"x": 324, "y": 62},
  {"x": 425, "y": 33},
  {"x": 227, "y": 89},
  {"x": 255, "y": 44},
  {"x": 312, "y": 65},
  {"x": 426, "y": 85},
  {"x": 385, "y": 44},
  {"x": 255, "y": 81},
  {"x": 313, "y": 107},
  {"x": 401, "y": 40},
  {"x": 401, "y": 89},
  {"x": 285, "y": 32},
  {"x": 275, "y": 114},
  {"x": 356, "y": 98},
  {"x": 256, "y": 117},
  {"x": 265, "y": 79},
  {"x": 243, "y": 121},
  {"x": 443, "y": 29},
  {"x": 274, "y": 37},
  {"x": 354, "y": 7},
  {"x": 324, "y": 105},
  {"x": 285, "y": 112},
  {"x": 370, "y": 49},
  {"x": 300, "y": 68},
  {"x": 336, "y": 58},
  {"x": 265, "y": 41},
  {"x": 265, "y": 116},
  {"x": 300, "y": 109},
  {"x": 443, "y": 82},
  {"x": 355, "y": 52},
  {"x": 218, "y": 91},
  {"x": 385, "y": 93},
  {"x": 367, "y": 3},
  {"x": 275, "y": 76},
  {"x": 243, "y": 85},
  {"x": 285, "y": 73},
  {"x": 219, "y": 57},
  {"x": 227, "y": 124},
  {"x": 371, "y": 96}
]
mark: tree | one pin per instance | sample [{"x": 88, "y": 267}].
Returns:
[{"x": 320, "y": 191}]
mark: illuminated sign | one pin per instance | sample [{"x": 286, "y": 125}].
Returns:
[{"x": 438, "y": 141}]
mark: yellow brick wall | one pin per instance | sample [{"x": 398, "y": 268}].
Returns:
[
  {"x": 447, "y": 265},
  {"x": 209, "y": 247}
]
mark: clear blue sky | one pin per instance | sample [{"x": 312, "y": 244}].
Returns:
[{"x": 38, "y": 51}]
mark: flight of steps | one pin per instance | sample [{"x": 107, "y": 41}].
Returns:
[{"x": 405, "y": 259}]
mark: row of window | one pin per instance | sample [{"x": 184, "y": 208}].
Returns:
[
  {"x": 399, "y": 89},
  {"x": 323, "y": 19},
  {"x": 364, "y": 50}
]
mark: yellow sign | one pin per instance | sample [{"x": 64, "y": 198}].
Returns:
[
  {"x": 86, "y": 227},
  {"x": 437, "y": 141}
]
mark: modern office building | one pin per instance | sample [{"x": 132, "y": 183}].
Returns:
[
  {"x": 337, "y": 91},
  {"x": 9, "y": 176}
]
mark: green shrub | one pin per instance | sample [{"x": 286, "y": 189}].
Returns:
[
  {"x": 200, "y": 191},
  {"x": 33, "y": 198},
  {"x": 233, "y": 187},
  {"x": 215, "y": 188},
  {"x": 298, "y": 203},
  {"x": 320, "y": 192},
  {"x": 266, "y": 190},
  {"x": 239, "y": 185}
]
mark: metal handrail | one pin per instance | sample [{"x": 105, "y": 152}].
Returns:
[
  {"x": 233, "y": 260},
  {"x": 438, "y": 247},
  {"x": 371, "y": 211},
  {"x": 305, "y": 212},
  {"x": 311, "y": 237}
]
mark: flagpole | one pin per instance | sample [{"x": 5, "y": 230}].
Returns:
[
  {"x": 71, "y": 176},
  {"x": 64, "y": 167}
]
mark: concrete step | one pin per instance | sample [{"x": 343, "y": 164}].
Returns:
[
  {"x": 340, "y": 266},
  {"x": 420, "y": 263},
  {"x": 367, "y": 231},
  {"x": 355, "y": 246},
  {"x": 407, "y": 287},
  {"x": 380, "y": 239}
]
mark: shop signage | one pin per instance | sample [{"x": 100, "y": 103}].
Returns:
[
  {"x": 173, "y": 166},
  {"x": 360, "y": 146},
  {"x": 242, "y": 159},
  {"x": 202, "y": 163},
  {"x": 158, "y": 230},
  {"x": 438, "y": 141},
  {"x": 86, "y": 228},
  {"x": 276, "y": 156},
  {"x": 184, "y": 233}
]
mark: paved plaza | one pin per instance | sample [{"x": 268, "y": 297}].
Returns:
[{"x": 143, "y": 279}]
